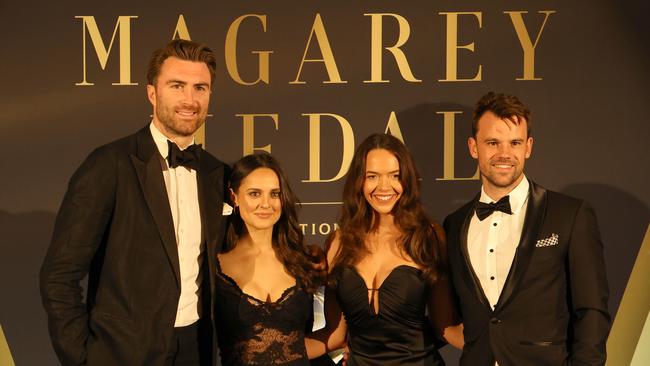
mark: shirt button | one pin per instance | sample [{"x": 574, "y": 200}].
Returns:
[
  {"x": 491, "y": 250},
  {"x": 492, "y": 277},
  {"x": 495, "y": 320},
  {"x": 495, "y": 224}
]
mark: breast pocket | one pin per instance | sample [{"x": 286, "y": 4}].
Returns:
[
  {"x": 546, "y": 264},
  {"x": 549, "y": 251}
]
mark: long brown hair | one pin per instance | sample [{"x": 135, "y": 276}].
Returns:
[
  {"x": 288, "y": 242},
  {"x": 422, "y": 240}
]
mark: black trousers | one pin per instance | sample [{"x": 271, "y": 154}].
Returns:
[{"x": 191, "y": 346}]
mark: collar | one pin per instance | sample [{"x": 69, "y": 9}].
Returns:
[
  {"x": 161, "y": 140},
  {"x": 518, "y": 196}
]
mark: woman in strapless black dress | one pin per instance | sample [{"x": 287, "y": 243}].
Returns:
[
  {"x": 265, "y": 276},
  {"x": 389, "y": 293}
]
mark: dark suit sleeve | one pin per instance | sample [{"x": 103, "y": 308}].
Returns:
[
  {"x": 589, "y": 291},
  {"x": 79, "y": 228},
  {"x": 226, "y": 182},
  {"x": 443, "y": 310},
  {"x": 446, "y": 224},
  {"x": 225, "y": 220}
]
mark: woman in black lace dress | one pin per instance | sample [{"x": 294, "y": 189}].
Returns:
[
  {"x": 389, "y": 290},
  {"x": 265, "y": 278}
]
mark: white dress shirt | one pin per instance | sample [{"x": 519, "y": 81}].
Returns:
[
  {"x": 183, "y": 196},
  {"x": 492, "y": 243}
]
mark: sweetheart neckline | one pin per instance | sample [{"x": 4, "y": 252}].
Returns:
[
  {"x": 376, "y": 313},
  {"x": 405, "y": 266}
]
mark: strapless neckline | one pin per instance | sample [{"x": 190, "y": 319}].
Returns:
[
  {"x": 398, "y": 333},
  {"x": 377, "y": 313},
  {"x": 392, "y": 271}
]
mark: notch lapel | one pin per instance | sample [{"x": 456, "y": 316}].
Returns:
[
  {"x": 535, "y": 213},
  {"x": 148, "y": 168}
]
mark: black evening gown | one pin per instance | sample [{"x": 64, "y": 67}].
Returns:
[
  {"x": 254, "y": 332},
  {"x": 400, "y": 333}
]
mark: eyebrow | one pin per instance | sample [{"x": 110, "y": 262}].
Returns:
[
  {"x": 185, "y": 83},
  {"x": 176, "y": 82},
  {"x": 373, "y": 172},
  {"x": 494, "y": 139}
]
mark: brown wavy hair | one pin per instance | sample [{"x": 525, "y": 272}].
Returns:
[
  {"x": 184, "y": 50},
  {"x": 504, "y": 106},
  {"x": 288, "y": 239},
  {"x": 422, "y": 240}
]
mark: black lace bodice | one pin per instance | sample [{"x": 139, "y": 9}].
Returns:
[{"x": 255, "y": 332}]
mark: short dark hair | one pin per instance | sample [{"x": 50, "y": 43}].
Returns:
[
  {"x": 504, "y": 106},
  {"x": 184, "y": 50}
]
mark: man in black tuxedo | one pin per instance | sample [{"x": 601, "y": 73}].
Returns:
[
  {"x": 527, "y": 263},
  {"x": 142, "y": 219}
]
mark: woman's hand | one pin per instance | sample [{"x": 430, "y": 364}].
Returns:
[{"x": 454, "y": 336}]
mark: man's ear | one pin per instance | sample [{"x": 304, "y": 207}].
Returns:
[
  {"x": 151, "y": 94},
  {"x": 529, "y": 147},
  {"x": 472, "y": 147}
]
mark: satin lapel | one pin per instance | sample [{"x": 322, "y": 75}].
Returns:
[
  {"x": 149, "y": 170},
  {"x": 468, "y": 271},
  {"x": 535, "y": 213},
  {"x": 210, "y": 189}
]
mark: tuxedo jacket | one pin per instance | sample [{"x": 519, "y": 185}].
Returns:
[
  {"x": 115, "y": 225},
  {"x": 553, "y": 307}
]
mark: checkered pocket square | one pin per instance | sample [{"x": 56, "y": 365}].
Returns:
[{"x": 554, "y": 239}]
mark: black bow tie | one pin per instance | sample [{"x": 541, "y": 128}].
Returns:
[
  {"x": 188, "y": 158},
  {"x": 484, "y": 210}
]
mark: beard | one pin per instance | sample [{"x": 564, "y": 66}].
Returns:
[
  {"x": 176, "y": 124},
  {"x": 502, "y": 180}
]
